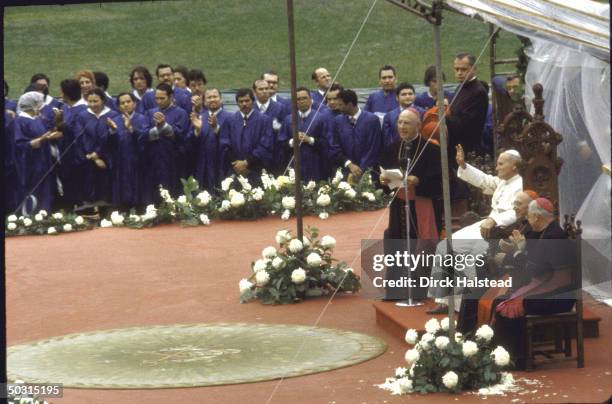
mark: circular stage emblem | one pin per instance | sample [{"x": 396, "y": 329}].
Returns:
[{"x": 188, "y": 355}]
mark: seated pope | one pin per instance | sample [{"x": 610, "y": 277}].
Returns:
[{"x": 471, "y": 240}]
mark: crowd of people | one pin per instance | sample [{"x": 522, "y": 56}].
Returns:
[{"x": 89, "y": 149}]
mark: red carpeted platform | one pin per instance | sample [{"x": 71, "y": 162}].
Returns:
[{"x": 112, "y": 278}]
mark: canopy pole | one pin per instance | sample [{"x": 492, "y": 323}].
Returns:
[
  {"x": 296, "y": 142},
  {"x": 437, "y": 13}
]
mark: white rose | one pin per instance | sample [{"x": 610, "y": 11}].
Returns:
[
  {"x": 106, "y": 223},
  {"x": 425, "y": 340},
  {"x": 286, "y": 214},
  {"x": 313, "y": 259},
  {"x": 444, "y": 323},
  {"x": 412, "y": 356},
  {"x": 412, "y": 336},
  {"x": 288, "y": 202},
  {"x": 338, "y": 175},
  {"x": 323, "y": 215},
  {"x": 262, "y": 278},
  {"x": 323, "y": 200},
  {"x": 117, "y": 219},
  {"x": 12, "y": 218},
  {"x": 405, "y": 385},
  {"x": 268, "y": 252},
  {"x": 458, "y": 337},
  {"x": 38, "y": 217},
  {"x": 469, "y": 348},
  {"x": 432, "y": 326},
  {"x": 351, "y": 193},
  {"x": 310, "y": 186},
  {"x": 258, "y": 194},
  {"x": 244, "y": 286},
  {"x": 298, "y": 276},
  {"x": 260, "y": 265},
  {"x": 295, "y": 246},
  {"x": 204, "y": 219},
  {"x": 43, "y": 213},
  {"x": 165, "y": 195},
  {"x": 151, "y": 208},
  {"x": 411, "y": 371},
  {"x": 245, "y": 183},
  {"x": 79, "y": 220},
  {"x": 237, "y": 200},
  {"x": 282, "y": 181},
  {"x": 27, "y": 222},
  {"x": 225, "y": 205},
  {"x": 204, "y": 198},
  {"x": 450, "y": 379},
  {"x": 328, "y": 241},
  {"x": 149, "y": 215},
  {"x": 225, "y": 184},
  {"x": 182, "y": 199},
  {"x": 345, "y": 186},
  {"x": 500, "y": 356},
  {"x": 67, "y": 227},
  {"x": 58, "y": 216},
  {"x": 282, "y": 236},
  {"x": 135, "y": 218},
  {"x": 441, "y": 342},
  {"x": 231, "y": 193},
  {"x": 278, "y": 263},
  {"x": 400, "y": 372},
  {"x": 11, "y": 226},
  {"x": 484, "y": 332},
  {"x": 51, "y": 230}
]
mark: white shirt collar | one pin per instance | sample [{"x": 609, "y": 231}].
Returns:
[
  {"x": 263, "y": 106},
  {"x": 304, "y": 115},
  {"x": 108, "y": 96},
  {"x": 80, "y": 102},
  {"x": 248, "y": 115},
  {"x": 322, "y": 92},
  {"x": 357, "y": 114},
  {"x": 25, "y": 115},
  {"x": 273, "y": 98},
  {"x": 104, "y": 111},
  {"x": 48, "y": 99}
]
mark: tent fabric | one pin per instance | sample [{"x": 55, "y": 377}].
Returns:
[{"x": 583, "y": 25}]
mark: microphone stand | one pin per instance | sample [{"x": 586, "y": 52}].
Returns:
[{"x": 409, "y": 302}]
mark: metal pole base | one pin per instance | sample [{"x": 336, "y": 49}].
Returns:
[{"x": 409, "y": 303}]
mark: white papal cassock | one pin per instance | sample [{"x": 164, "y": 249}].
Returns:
[{"x": 468, "y": 240}]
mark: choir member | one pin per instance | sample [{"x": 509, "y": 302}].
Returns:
[
  {"x": 103, "y": 82},
  {"x": 180, "y": 77},
  {"x": 312, "y": 133},
  {"x": 322, "y": 80},
  {"x": 160, "y": 145},
  {"x": 141, "y": 81},
  {"x": 87, "y": 81},
  {"x": 246, "y": 139},
  {"x": 204, "y": 138},
  {"x": 383, "y": 100},
  {"x": 124, "y": 131},
  {"x": 272, "y": 78},
  {"x": 357, "y": 136},
  {"x": 429, "y": 98},
  {"x": 33, "y": 155},
  {"x": 405, "y": 97},
  {"x": 93, "y": 158}
]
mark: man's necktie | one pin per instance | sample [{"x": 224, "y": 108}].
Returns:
[
  {"x": 353, "y": 121},
  {"x": 244, "y": 120}
]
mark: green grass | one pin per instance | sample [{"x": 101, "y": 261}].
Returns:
[{"x": 233, "y": 41}]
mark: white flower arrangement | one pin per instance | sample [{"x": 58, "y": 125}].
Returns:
[
  {"x": 323, "y": 200},
  {"x": 51, "y": 230},
  {"x": 11, "y": 218},
  {"x": 323, "y": 215},
  {"x": 106, "y": 223},
  {"x": 298, "y": 269},
  {"x": 288, "y": 202},
  {"x": 464, "y": 364},
  {"x": 204, "y": 219},
  {"x": 67, "y": 227}
]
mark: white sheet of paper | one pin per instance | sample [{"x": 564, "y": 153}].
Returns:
[{"x": 395, "y": 176}]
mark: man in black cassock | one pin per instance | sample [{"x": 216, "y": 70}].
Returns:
[{"x": 425, "y": 179}]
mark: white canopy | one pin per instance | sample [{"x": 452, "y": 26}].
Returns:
[{"x": 583, "y": 25}]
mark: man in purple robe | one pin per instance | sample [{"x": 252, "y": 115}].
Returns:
[
  {"x": 246, "y": 140},
  {"x": 312, "y": 133},
  {"x": 383, "y": 100},
  {"x": 405, "y": 97},
  {"x": 357, "y": 136}
]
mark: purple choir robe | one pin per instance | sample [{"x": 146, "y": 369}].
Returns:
[
  {"x": 360, "y": 144},
  {"x": 425, "y": 102},
  {"x": 275, "y": 111},
  {"x": 286, "y": 104},
  {"x": 33, "y": 165},
  {"x": 207, "y": 152},
  {"x": 140, "y": 105},
  {"x": 317, "y": 98},
  {"x": 126, "y": 172},
  {"x": 160, "y": 153},
  {"x": 10, "y": 105},
  {"x": 378, "y": 101},
  {"x": 251, "y": 142},
  {"x": 94, "y": 184},
  {"x": 68, "y": 170},
  {"x": 180, "y": 98},
  {"x": 313, "y": 157},
  {"x": 11, "y": 182},
  {"x": 389, "y": 128}
]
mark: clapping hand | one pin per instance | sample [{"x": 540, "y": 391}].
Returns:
[
  {"x": 159, "y": 118},
  {"x": 196, "y": 121},
  {"x": 460, "y": 157},
  {"x": 111, "y": 124},
  {"x": 355, "y": 170}
]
